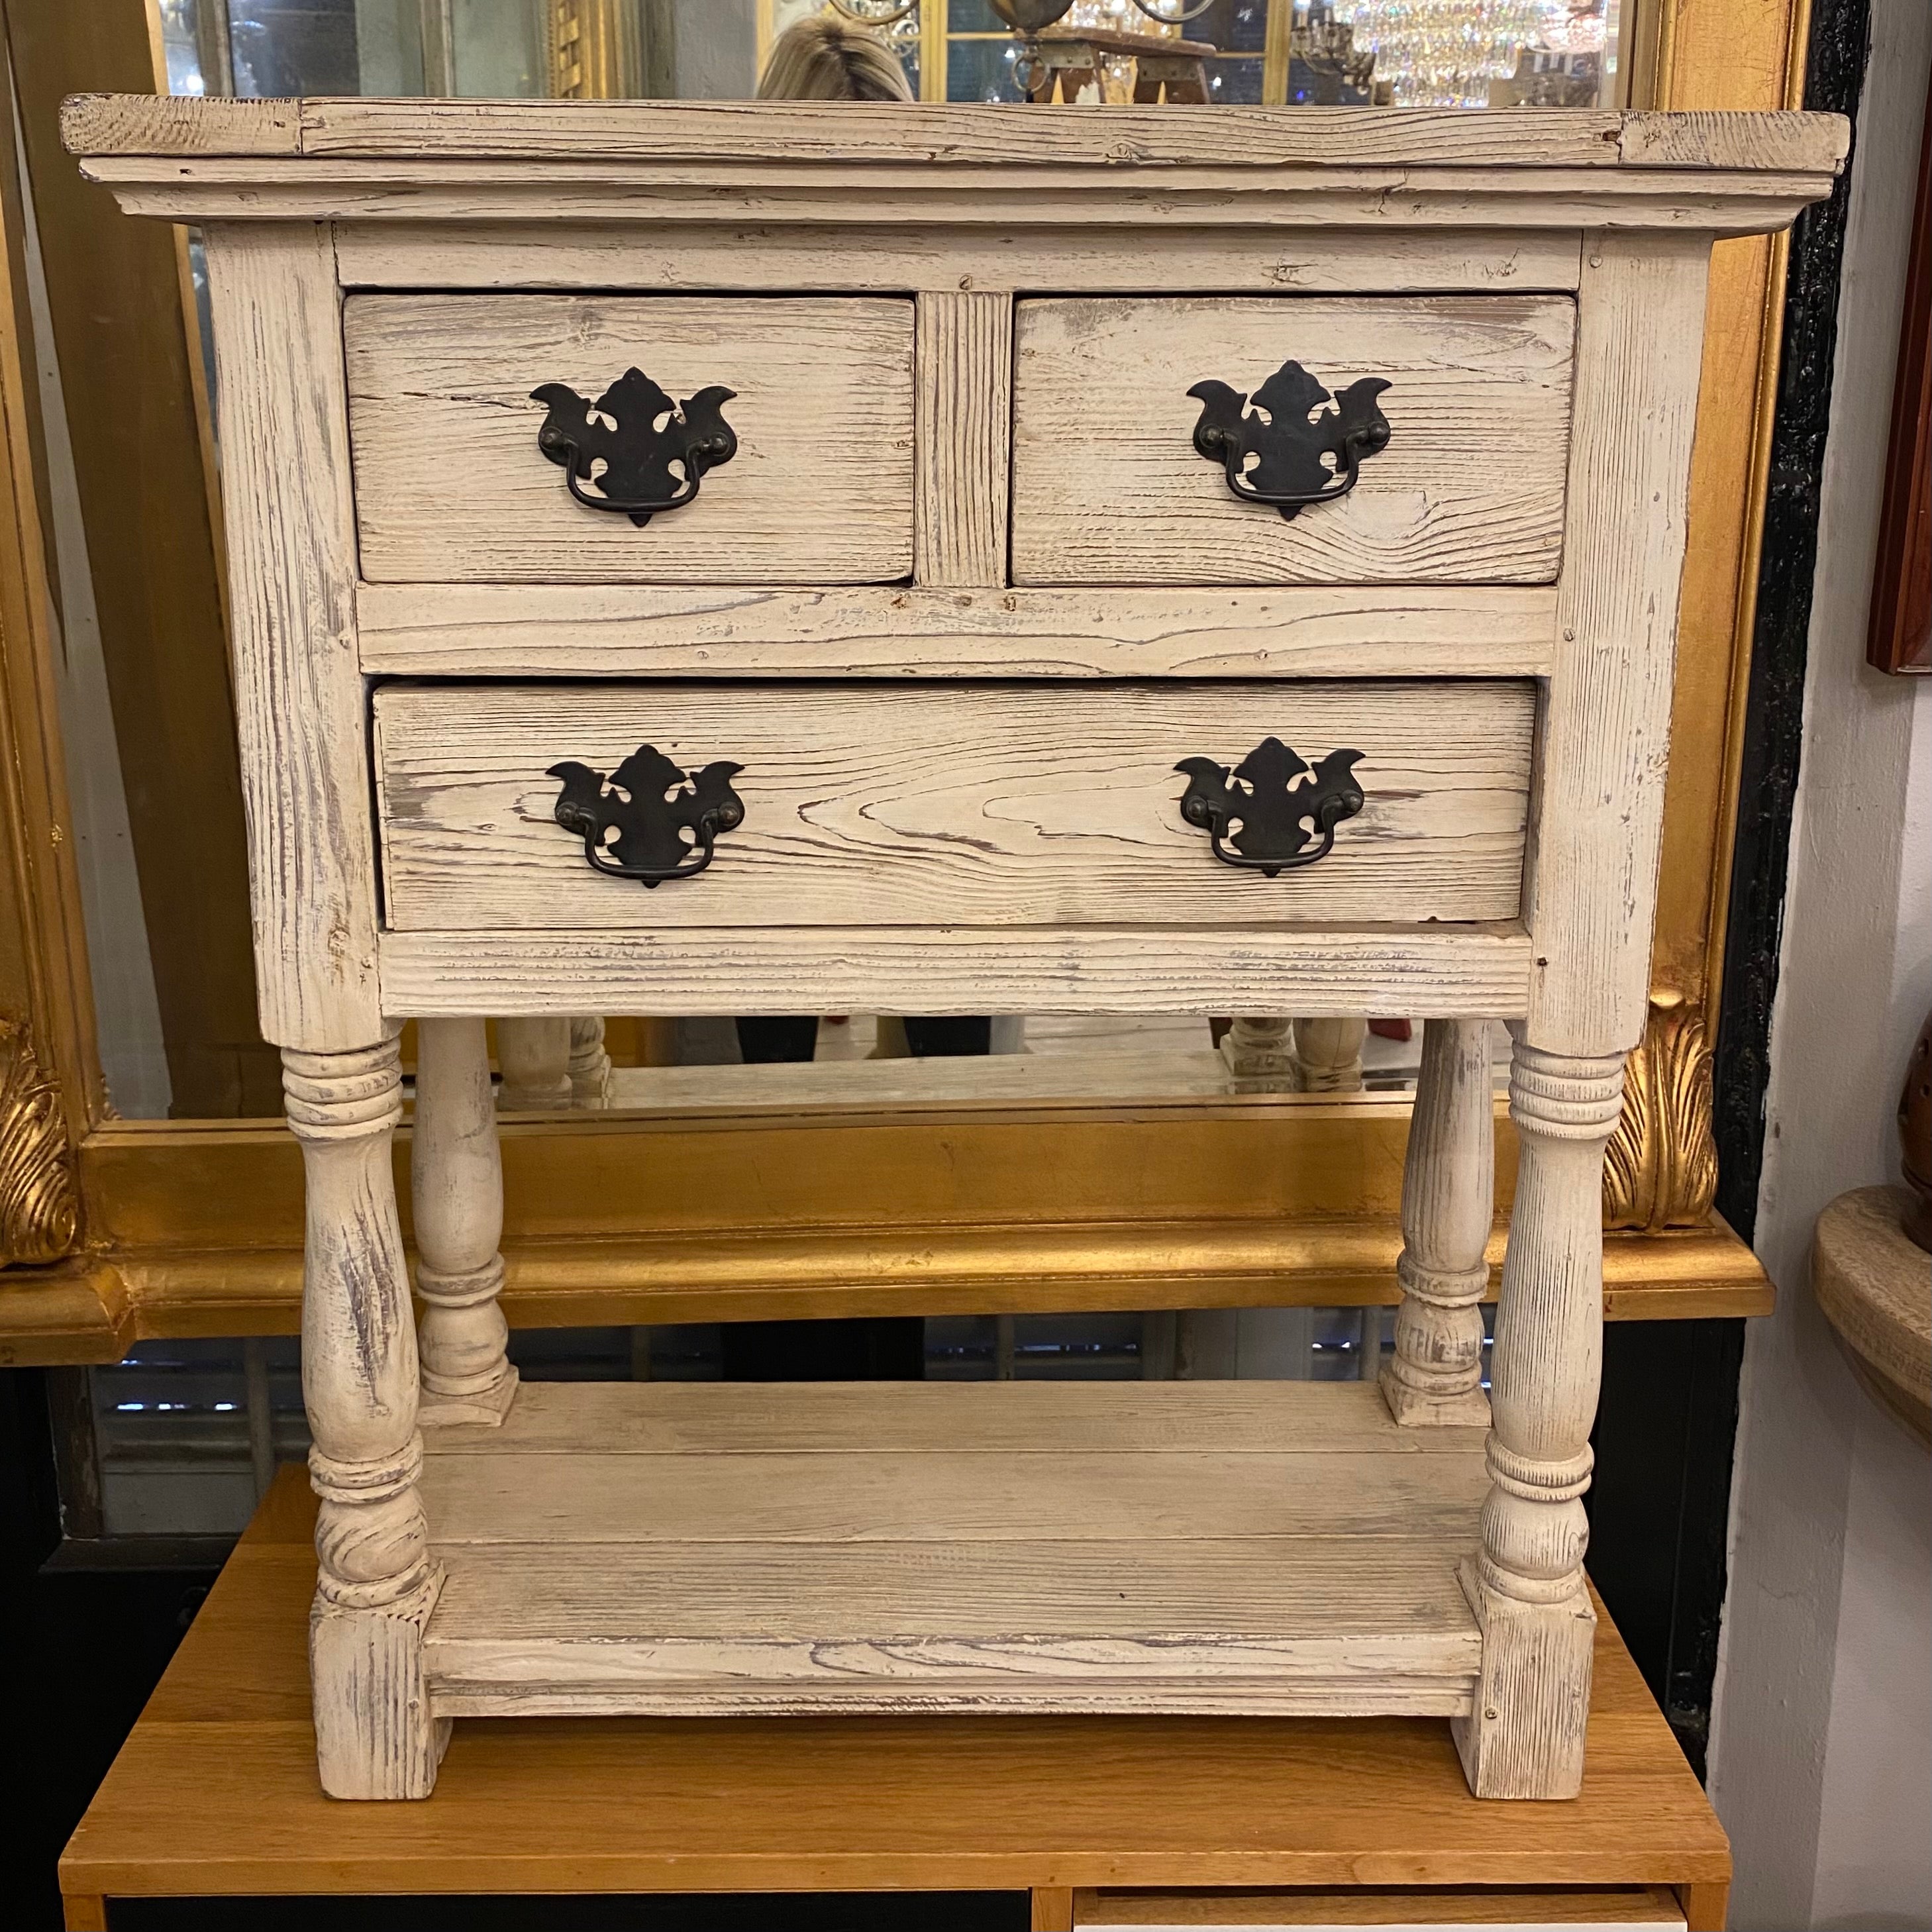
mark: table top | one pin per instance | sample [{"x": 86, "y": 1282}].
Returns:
[{"x": 215, "y": 1791}]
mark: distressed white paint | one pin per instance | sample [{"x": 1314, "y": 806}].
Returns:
[{"x": 934, "y": 836}]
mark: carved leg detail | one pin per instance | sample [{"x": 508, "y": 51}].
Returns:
[
  {"x": 535, "y": 1056},
  {"x": 1261, "y": 1051},
  {"x": 456, "y": 1182},
  {"x": 1328, "y": 1054},
  {"x": 1448, "y": 1201},
  {"x": 377, "y": 1584},
  {"x": 589, "y": 1064},
  {"x": 1524, "y": 1739}
]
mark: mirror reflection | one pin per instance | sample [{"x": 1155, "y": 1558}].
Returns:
[{"x": 176, "y": 1021}]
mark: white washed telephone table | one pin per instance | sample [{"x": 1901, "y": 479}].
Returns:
[{"x": 1109, "y": 559}]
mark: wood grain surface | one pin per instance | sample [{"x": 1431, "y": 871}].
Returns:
[
  {"x": 888, "y": 1568},
  {"x": 986, "y": 806},
  {"x": 964, "y": 424},
  {"x": 705, "y": 257},
  {"x": 1108, "y": 488},
  {"x": 450, "y": 483},
  {"x": 300, "y": 711},
  {"x": 1110, "y": 138},
  {"x": 561, "y": 630},
  {"x": 812, "y": 1804},
  {"x": 1606, "y": 728},
  {"x": 1088, "y": 969}
]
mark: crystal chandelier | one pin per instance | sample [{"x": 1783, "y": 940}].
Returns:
[{"x": 1444, "y": 53}]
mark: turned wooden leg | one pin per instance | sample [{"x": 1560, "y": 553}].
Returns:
[
  {"x": 1328, "y": 1054},
  {"x": 589, "y": 1064},
  {"x": 534, "y": 1058},
  {"x": 1524, "y": 1738},
  {"x": 374, "y": 1735},
  {"x": 1261, "y": 1051},
  {"x": 456, "y": 1173},
  {"x": 1448, "y": 1200}
]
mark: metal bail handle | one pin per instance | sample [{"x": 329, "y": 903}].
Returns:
[
  {"x": 633, "y": 822},
  {"x": 1259, "y": 815},
  {"x": 1279, "y": 428},
  {"x": 644, "y": 469}
]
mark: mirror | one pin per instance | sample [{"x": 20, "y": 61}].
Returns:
[{"x": 169, "y": 941}]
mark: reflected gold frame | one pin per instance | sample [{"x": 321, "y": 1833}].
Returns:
[{"x": 113, "y": 1231}]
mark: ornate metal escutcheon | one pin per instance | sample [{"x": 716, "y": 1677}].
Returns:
[
  {"x": 1270, "y": 805},
  {"x": 633, "y": 823},
  {"x": 617, "y": 443},
  {"x": 1278, "y": 427}
]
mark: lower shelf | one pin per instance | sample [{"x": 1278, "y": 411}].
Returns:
[{"x": 701, "y": 1548}]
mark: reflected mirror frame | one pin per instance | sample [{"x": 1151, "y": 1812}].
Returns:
[{"x": 193, "y": 1227}]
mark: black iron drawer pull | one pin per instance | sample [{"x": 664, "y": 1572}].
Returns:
[
  {"x": 632, "y": 824},
  {"x": 1278, "y": 426},
  {"x": 645, "y": 468},
  {"x": 1275, "y": 804}
]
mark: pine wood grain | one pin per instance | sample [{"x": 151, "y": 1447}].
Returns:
[
  {"x": 1108, "y": 138},
  {"x": 1010, "y": 201},
  {"x": 1606, "y": 732},
  {"x": 300, "y": 709},
  {"x": 703, "y": 256},
  {"x": 964, "y": 360},
  {"x": 898, "y": 1497},
  {"x": 911, "y": 1803},
  {"x": 993, "y": 806},
  {"x": 1108, "y": 488},
  {"x": 560, "y": 630},
  {"x": 1007, "y": 1418},
  {"x": 1090, "y": 969},
  {"x": 1035, "y": 1573},
  {"x": 450, "y": 482}
]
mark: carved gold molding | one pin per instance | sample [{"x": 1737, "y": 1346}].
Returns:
[
  {"x": 595, "y": 50},
  {"x": 40, "y": 1205},
  {"x": 1661, "y": 1170}
]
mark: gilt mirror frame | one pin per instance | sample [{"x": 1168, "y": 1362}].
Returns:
[{"x": 114, "y": 1231}]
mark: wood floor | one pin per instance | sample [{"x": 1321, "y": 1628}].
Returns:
[{"x": 682, "y": 1549}]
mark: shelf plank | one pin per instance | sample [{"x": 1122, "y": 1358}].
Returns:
[
  {"x": 1206, "y": 1548},
  {"x": 766, "y": 1419}
]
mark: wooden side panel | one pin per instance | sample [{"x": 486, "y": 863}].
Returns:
[
  {"x": 1605, "y": 735},
  {"x": 998, "y": 805},
  {"x": 298, "y": 695},
  {"x": 965, "y": 360},
  {"x": 451, "y": 484},
  {"x": 1108, "y": 488}
]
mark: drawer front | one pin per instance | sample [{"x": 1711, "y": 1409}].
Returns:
[
  {"x": 1109, "y": 486},
  {"x": 976, "y": 805},
  {"x": 450, "y": 484}
]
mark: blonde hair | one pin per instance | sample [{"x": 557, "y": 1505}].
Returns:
[{"x": 826, "y": 59}]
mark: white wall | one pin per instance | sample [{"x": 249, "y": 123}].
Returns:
[{"x": 1821, "y": 1763}]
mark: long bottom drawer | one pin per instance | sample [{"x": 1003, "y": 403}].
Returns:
[{"x": 1004, "y": 808}]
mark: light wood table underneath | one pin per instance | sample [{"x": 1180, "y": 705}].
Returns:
[{"x": 215, "y": 1793}]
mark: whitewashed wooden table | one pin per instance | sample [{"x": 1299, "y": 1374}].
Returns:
[{"x": 931, "y": 621}]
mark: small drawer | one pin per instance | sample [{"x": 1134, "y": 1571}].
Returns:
[
  {"x": 990, "y": 805},
  {"x": 451, "y": 485},
  {"x": 1109, "y": 487}
]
